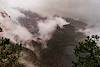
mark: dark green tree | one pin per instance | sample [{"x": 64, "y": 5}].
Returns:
[
  {"x": 9, "y": 53},
  {"x": 87, "y": 53}
]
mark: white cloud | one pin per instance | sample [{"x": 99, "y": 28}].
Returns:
[
  {"x": 48, "y": 27},
  {"x": 87, "y": 10}
]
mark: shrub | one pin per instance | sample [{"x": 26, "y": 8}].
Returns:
[
  {"x": 9, "y": 53},
  {"x": 87, "y": 53}
]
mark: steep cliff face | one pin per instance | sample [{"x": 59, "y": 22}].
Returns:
[{"x": 33, "y": 31}]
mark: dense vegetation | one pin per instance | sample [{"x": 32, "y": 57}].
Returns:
[
  {"x": 87, "y": 53},
  {"x": 9, "y": 53}
]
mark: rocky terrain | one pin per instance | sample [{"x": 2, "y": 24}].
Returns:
[{"x": 54, "y": 50}]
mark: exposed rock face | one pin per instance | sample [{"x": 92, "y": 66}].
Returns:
[
  {"x": 36, "y": 33},
  {"x": 1, "y": 30},
  {"x": 30, "y": 21},
  {"x": 33, "y": 32},
  {"x": 60, "y": 47},
  {"x": 6, "y": 26}
]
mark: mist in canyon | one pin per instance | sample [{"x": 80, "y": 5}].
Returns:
[{"x": 60, "y": 24}]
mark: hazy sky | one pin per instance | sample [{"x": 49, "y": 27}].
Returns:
[{"x": 87, "y": 10}]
